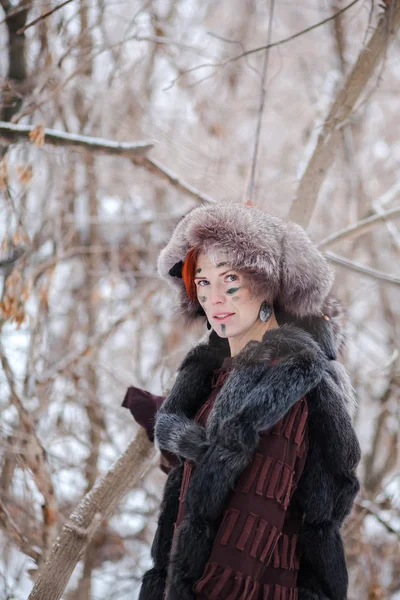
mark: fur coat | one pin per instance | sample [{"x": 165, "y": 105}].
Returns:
[{"x": 296, "y": 360}]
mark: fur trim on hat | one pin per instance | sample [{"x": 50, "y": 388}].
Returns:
[{"x": 285, "y": 266}]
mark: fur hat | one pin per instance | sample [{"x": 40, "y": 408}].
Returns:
[{"x": 285, "y": 266}]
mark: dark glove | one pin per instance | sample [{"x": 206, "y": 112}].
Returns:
[{"x": 143, "y": 407}]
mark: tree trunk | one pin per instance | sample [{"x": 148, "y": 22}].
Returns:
[
  {"x": 323, "y": 156},
  {"x": 98, "y": 504}
]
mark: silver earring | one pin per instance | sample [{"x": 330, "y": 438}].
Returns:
[{"x": 265, "y": 311}]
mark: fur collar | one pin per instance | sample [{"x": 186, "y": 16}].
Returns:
[{"x": 266, "y": 379}]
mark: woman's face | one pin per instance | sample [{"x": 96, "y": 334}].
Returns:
[{"x": 225, "y": 296}]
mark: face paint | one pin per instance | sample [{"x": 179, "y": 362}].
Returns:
[{"x": 228, "y": 291}]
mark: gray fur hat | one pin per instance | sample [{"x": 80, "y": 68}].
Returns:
[{"x": 285, "y": 266}]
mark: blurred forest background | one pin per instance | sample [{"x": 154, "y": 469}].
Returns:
[{"x": 83, "y": 313}]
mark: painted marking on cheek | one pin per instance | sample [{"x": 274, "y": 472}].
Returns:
[
  {"x": 234, "y": 298},
  {"x": 233, "y": 290},
  {"x": 198, "y": 271},
  {"x": 223, "y": 328},
  {"x": 202, "y": 298}
]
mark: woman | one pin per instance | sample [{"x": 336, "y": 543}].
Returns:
[{"x": 258, "y": 420}]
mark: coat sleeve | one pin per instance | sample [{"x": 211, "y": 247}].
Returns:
[
  {"x": 175, "y": 429},
  {"x": 327, "y": 489}
]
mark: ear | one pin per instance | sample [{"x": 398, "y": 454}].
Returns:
[{"x": 306, "y": 276}]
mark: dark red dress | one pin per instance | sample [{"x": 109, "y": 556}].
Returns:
[{"x": 255, "y": 554}]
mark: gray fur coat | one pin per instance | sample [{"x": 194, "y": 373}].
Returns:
[{"x": 298, "y": 359}]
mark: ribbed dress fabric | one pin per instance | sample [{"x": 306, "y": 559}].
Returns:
[{"x": 255, "y": 554}]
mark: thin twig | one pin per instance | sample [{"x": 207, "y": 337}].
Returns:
[
  {"x": 93, "y": 343},
  {"x": 373, "y": 510},
  {"x": 34, "y": 457},
  {"x": 44, "y": 16},
  {"x": 263, "y": 93},
  {"x": 237, "y": 57},
  {"x": 155, "y": 39},
  {"x": 290, "y": 38}
]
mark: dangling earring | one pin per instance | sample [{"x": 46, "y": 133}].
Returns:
[
  {"x": 265, "y": 311},
  {"x": 208, "y": 325}
]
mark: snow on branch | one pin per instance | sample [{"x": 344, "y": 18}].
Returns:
[{"x": 12, "y": 132}]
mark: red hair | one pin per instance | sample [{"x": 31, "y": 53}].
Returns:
[{"x": 188, "y": 272}]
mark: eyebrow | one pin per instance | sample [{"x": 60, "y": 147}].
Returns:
[{"x": 220, "y": 274}]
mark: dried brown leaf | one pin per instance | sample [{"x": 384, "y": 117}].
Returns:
[
  {"x": 3, "y": 173},
  {"x": 376, "y": 592},
  {"x": 17, "y": 237},
  {"x": 24, "y": 174},
  {"x": 37, "y": 135}
]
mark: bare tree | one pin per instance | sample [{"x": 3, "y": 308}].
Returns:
[{"x": 115, "y": 120}]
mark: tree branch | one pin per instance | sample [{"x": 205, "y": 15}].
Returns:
[
  {"x": 164, "y": 173},
  {"x": 93, "y": 343},
  {"x": 12, "y": 132},
  {"x": 324, "y": 153},
  {"x": 246, "y": 53},
  {"x": 98, "y": 504},
  {"x": 135, "y": 151},
  {"x": 34, "y": 457},
  {"x": 292, "y": 37},
  {"x": 358, "y": 229},
  {"x": 44, "y": 16},
  {"x": 358, "y": 268},
  {"x": 373, "y": 510},
  {"x": 263, "y": 93}
]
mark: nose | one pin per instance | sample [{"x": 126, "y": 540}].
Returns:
[{"x": 217, "y": 297}]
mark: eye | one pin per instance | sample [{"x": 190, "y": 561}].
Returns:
[
  {"x": 233, "y": 276},
  {"x": 200, "y": 282}
]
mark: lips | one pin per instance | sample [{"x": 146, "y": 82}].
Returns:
[{"x": 222, "y": 317}]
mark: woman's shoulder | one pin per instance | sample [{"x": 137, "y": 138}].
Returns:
[
  {"x": 335, "y": 394},
  {"x": 279, "y": 345}
]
